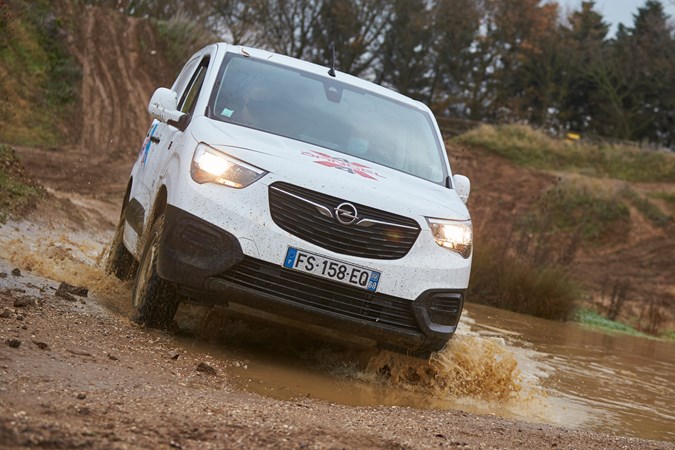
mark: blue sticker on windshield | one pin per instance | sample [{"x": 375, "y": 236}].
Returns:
[{"x": 227, "y": 112}]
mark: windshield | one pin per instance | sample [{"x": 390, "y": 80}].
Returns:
[{"x": 325, "y": 112}]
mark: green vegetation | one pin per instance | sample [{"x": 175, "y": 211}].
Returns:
[
  {"x": 581, "y": 208},
  {"x": 515, "y": 280},
  {"x": 532, "y": 148},
  {"x": 666, "y": 196},
  {"x": 181, "y": 37},
  {"x": 595, "y": 320},
  {"x": 18, "y": 194},
  {"x": 39, "y": 79},
  {"x": 648, "y": 209}
]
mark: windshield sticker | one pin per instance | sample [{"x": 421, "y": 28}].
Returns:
[
  {"x": 227, "y": 112},
  {"x": 343, "y": 164}
]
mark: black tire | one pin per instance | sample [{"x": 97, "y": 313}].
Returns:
[
  {"x": 155, "y": 299},
  {"x": 120, "y": 262}
]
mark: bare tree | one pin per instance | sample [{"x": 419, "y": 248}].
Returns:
[
  {"x": 286, "y": 26},
  {"x": 234, "y": 20},
  {"x": 357, "y": 30}
]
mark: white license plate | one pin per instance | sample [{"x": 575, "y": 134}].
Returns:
[{"x": 329, "y": 268}]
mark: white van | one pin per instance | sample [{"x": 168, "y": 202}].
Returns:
[{"x": 266, "y": 183}]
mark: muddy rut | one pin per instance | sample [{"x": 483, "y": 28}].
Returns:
[{"x": 121, "y": 68}]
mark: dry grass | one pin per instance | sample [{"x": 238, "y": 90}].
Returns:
[
  {"x": 594, "y": 211},
  {"x": 524, "y": 280},
  {"x": 534, "y": 148}
]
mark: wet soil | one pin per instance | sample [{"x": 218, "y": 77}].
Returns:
[{"x": 74, "y": 374}]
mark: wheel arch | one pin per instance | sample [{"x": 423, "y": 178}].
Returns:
[
  {"x": 127, "y": 196},
  {"x": 158, "y": 207}
]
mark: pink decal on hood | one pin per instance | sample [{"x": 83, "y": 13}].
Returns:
[{"x": 343, "y": 164}]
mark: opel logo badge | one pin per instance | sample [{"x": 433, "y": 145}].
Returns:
[{"x": 346, "y": 214}]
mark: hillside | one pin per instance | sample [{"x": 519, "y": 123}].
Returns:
[
  {"x": 611, "y": 229},
  {"x": 93, "y": 141}
]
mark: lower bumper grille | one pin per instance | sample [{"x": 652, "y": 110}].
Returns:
[{"x": 324, "y": 295}]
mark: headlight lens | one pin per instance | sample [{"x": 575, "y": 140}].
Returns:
[
  {"x": 456, "y": 235},
  {"x": 212, "y": 166}
]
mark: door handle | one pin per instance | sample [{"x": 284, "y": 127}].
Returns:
[{"x": 154, "y": 139}]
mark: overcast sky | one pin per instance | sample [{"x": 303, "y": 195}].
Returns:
[{"x": 617, "y": 11}]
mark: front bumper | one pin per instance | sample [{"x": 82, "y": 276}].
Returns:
[{"x": 209, "y": 265}]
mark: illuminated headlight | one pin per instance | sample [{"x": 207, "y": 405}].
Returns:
[
  {"x": 212, "y": 166},
  {"x": 456, "y": 235}
]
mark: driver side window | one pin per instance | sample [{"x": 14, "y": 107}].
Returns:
[{"x": 191, "y": 94}]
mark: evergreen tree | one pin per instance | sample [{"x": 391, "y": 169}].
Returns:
[
  {"x": 406, "y": 51},
  {"x": 583, "y": 46},
  {"x": 650, "y": 50},
  {"x": 457, "y": 70}
]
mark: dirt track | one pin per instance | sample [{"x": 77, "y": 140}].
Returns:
[{"x": 74, "y": 374}]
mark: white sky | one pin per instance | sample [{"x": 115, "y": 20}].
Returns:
[{"x": 617, "y": 11}]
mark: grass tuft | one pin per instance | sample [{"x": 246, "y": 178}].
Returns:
[
  {"x": 595, "y": 320},
  {"x": 648, "y": 209},
  {"x": 577, "y": 206}
]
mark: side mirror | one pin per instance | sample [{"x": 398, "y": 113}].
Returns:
[
  {"x": 164, "y": 106},
  {"x": 462, "y": 186}
]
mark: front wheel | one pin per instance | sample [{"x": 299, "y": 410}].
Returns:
[{"x": 155, "y": 299}]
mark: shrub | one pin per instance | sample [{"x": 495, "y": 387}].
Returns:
[{"x": 511, "y": 279}]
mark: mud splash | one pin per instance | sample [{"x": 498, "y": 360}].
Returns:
[
  {"x": 474, "y": 373},
  {"x": 72, "y": 256},
  {"x": 469, "y": 366}
]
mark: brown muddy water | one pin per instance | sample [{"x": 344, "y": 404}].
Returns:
[{"x": 498, "y": 363}]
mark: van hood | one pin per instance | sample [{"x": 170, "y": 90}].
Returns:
[{"x": 331, "y": 172}]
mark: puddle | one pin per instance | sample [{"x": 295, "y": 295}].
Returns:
[{"x": 499, "y": 362}]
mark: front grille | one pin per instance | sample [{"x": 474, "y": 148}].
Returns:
[
  {"x": 325, "y": 295},
  {"x": 297, "y": 210}
]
